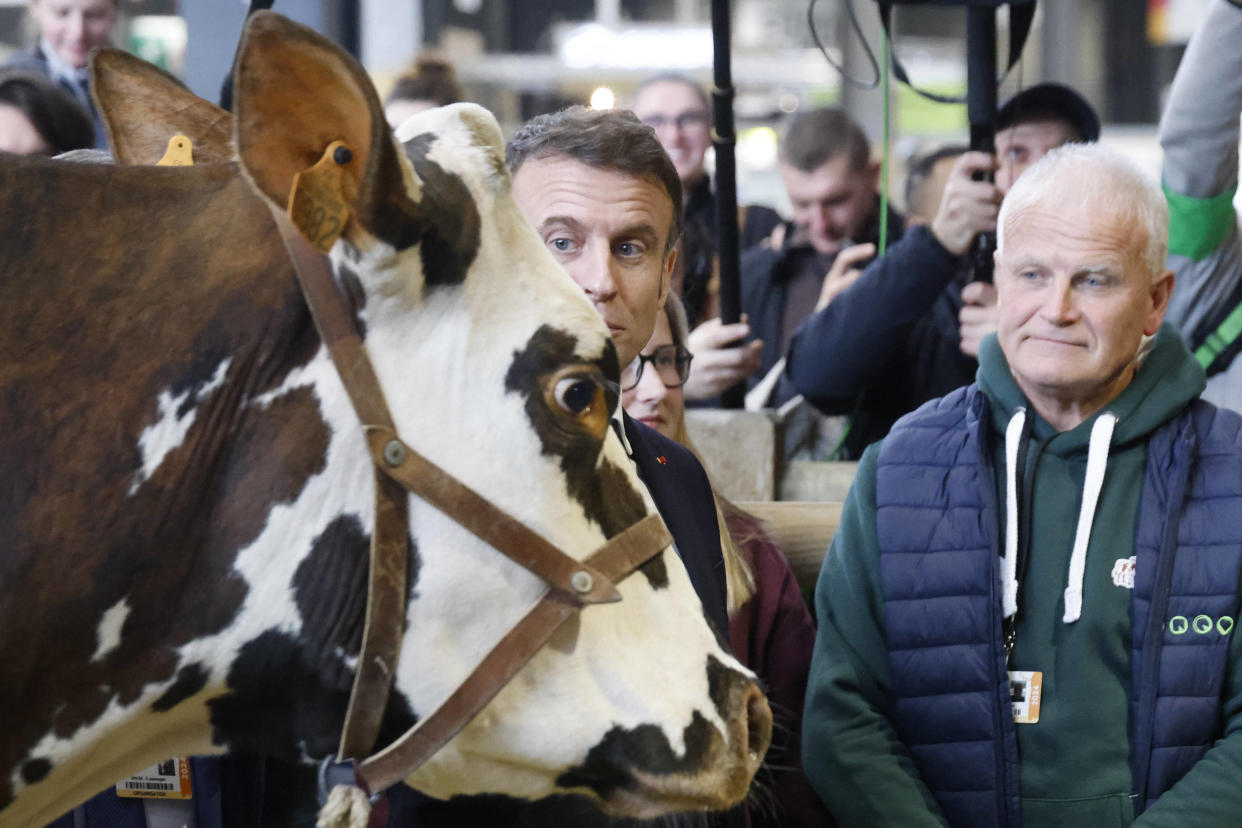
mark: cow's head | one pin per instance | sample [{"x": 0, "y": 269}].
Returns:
[{"x": 483, "y": 347}]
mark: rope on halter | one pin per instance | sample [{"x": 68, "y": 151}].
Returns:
[{"x": 347, "y": 807}]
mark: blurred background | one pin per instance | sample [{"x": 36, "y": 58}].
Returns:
[{"x": 522, "y": 58}]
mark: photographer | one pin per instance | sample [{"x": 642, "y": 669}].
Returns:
[
  {"x": 826, "y": 166},
  {"x": 908, "y": 330}
]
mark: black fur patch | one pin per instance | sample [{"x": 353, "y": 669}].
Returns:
[
  {"x": 330, "y": 590},
  {"x": 719, "y": 681},
  {"x": 355, "y": 296},
  {"x": 604, "y": 493},
  {"x": 655, "y": 572},
  {"x": 190, "y": 679},
  {"x": 449, "y": 223},
  {"x": 36, "y": 770},
  {"x": 610, "y": 764},
  {"x": 278, "y": 703}
]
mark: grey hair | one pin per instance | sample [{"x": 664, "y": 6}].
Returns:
[{"x": 1100, "y": 179}]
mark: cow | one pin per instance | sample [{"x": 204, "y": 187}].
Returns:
[{"x": 186, "y": 494}]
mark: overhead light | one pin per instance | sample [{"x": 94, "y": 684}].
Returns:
[
  {"x": 603, "y": 98},
  {"x": 594, "y": 46}
]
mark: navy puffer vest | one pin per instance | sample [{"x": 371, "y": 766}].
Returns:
[{"x": 937, "y": 522}]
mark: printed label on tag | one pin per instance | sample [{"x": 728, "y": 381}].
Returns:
[
  {"x": 317, "y": 204},
  {"x": 169, "y": 779},
  {"x": 180, "y": 153},
  {"x": 1025, "y": 691}
]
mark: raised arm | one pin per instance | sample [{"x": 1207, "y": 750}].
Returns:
[
  {"x": 841, "y": 350},
  {"x": 1199, "y": 133}
]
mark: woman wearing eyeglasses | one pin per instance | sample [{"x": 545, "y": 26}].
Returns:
[{"x": 770, "y": 628}]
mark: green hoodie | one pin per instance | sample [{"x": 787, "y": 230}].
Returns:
[{"x": 1075, "y": 761}]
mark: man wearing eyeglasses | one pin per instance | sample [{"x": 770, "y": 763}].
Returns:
[{"x": 677, "y": 108}]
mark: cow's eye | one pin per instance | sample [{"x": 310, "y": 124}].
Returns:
[{"x": 575, "y": 395}]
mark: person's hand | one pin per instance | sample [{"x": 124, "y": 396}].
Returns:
[
  {"x": 843, "y": 272},
  {"x": 978, "y": 316},
  {"x": 968, "y": 207},
  {"x": 717, "y": 363}
]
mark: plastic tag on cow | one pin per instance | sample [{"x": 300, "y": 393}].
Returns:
[
  {"x": 180, "y": 153},
  {"x": 169, "y": 779},
  {"x": 317, "y": 205}
]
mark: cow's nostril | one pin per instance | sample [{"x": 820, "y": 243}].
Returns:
[{"x": 758, "y": 725}]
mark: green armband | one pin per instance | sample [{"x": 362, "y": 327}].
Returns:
[{"x": 1197, "y": 226}]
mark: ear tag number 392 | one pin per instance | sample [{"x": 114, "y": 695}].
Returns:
[{"x": 317, "y": 204}]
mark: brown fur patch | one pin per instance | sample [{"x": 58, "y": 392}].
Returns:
[{"x": 121, "y": 283}]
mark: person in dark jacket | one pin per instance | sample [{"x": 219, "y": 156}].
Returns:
[
  {"x": 831, "y": 179},
  {"x": 68, "y": 31},
  {"x": 909, "y": 328},
  {"x": 1027, "y": 616}
]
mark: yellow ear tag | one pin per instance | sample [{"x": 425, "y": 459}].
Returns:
[
  {"x": 180, "y": 153},
  {"x": 317, "y": 204}
]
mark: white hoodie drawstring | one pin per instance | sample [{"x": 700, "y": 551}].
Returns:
[
  {"x": 1009, "y": 564},
  {"x": 1097, "y": 460}
]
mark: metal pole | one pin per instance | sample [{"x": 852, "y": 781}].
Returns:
[
  {"x": 724, "y": 139},
  {"x": 981, "y": 110}
]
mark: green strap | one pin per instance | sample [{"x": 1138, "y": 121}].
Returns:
[
  {"x": 1220, "y": 339},
  {"x": 1197, "y": 226}
]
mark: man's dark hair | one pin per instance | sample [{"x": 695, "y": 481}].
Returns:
[
  {"x": 432, "y": 79},
  {"x": 1051, "y": 102},
  {"x": 608, "y": 139},
  {"x": 684, "y": 80},
  {"x": 921, "y": 167},
  {"x": 814, "y": 138},
  {"x": 58, "y": 117}
]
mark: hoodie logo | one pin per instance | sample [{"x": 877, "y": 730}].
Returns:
[{"x": 1123, "y": 572}]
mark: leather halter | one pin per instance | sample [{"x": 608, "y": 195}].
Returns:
[{"x": 399, "y": 472}]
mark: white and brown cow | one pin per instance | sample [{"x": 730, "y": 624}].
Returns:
[{"x": 186, "y": 497}]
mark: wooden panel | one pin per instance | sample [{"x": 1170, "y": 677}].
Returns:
[
  {"x": 803, "y": 530},
  {"x": 738, "y": 449}
]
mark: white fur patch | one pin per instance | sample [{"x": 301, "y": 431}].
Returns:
[
  {"x": 169, "y": 430},
  {"x": 108, "y": 633}
]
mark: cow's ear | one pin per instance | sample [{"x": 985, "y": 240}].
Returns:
[
  {"x": 142, "y": 107},
  {"x": 296, "y": 94}
]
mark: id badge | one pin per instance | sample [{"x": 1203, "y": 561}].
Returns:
[
  {"x": 1025, "y": 692},
  {"x": 169, "y": 779}
]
